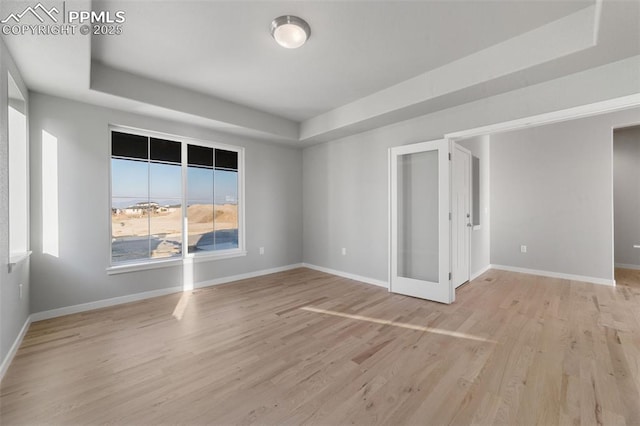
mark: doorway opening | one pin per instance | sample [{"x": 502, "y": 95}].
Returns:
[
  {"x": 472, "y": 222},
  {"x": 626, "y": 205},
  {"x": 438, "y": 206}
]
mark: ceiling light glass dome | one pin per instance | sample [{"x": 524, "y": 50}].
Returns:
[{"x": 290, "y": 32}]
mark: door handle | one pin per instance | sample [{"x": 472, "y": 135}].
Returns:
[{"x": 469, "y": 225}]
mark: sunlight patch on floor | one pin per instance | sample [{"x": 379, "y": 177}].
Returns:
[
  {"x": 432, "y": 330},
  {"x": 181, "y": 307}
]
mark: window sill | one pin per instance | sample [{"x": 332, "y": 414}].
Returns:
[
  {"x": 157, "y": 264},
  {"x": 142, "y": 266},
  {"x": 18, "y": 258},
  {"x": 206, "y": 257}
]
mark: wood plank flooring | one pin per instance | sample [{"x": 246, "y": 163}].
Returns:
[{"x": 304, "y": 347}]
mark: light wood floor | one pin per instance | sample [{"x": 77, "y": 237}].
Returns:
[{"x": 306, "y": 347}]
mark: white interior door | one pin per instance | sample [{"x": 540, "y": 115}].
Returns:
[
  {"x": 460, "y": 215},
  {"x": 419, "y": 192}
]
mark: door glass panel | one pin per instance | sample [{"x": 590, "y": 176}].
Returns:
[{"x": 418, "y": 254}]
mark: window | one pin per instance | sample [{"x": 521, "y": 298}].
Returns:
[
  {"x": 18, "y": 174},
  {"x": 172, "y": 199},
  {"x": 212, "y": 191}
]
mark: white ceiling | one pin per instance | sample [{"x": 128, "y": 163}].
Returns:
[
  {"x": 219, "y": 56},
  {"x": 356, "y": 48}
]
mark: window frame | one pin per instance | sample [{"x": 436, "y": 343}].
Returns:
[
  {"x": 185, "y": 257},
  {"x": 16, "y": 257}
]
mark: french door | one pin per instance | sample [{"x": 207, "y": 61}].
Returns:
[{"x": 419, "y": 179}]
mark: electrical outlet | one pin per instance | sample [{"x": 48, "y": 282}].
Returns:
[
  {"x": 20, "y": 288},
  {"x": 523, "y": 249},
  {"x": 261, "y": 250},
  {"x": 344, "y": 251}
]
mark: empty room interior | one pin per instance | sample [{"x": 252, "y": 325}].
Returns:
[{"x": 320, "y": 212}]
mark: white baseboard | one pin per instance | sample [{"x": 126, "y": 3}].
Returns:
[
  {"x": 89, "y": 306},
  {"x": 480, "y": 272},
  {"x": 627, "y": 266},
  {"x": 83, "y": 307},
  {"x": 232, "y": 278},
  {"x": 355, "y": 277},
  {"x": 53, "y": 313},
  {"x": 14, "y": 348},
  {"x": 592, "y": 280}
]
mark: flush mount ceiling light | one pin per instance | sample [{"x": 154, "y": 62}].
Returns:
[{"x": 290, "y": 31}]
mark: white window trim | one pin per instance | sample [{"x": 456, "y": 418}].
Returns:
[
  {"x": 167, "y": 263},
  {"x": 146, "y": 264}
]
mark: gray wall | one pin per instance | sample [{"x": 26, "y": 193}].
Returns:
[
  {"x": 345, "y": 205},
  {"x": 560, "y": 181},
  {"x": 77, "y": 275},
  {"x": 552, "y": 190},
  {"x": 626, "y": 193},
  {"x": 481, "y": 236},
  {"x": 346, "y": 195},
  {"x": 13, "y": 310}
]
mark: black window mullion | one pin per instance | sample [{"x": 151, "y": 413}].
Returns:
[
  {"x": 200, "y": 156},
  {"x": 226, "y": 160},
  {"x": 165, "y": 151},
  {"x": 129, "y": 146}
]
